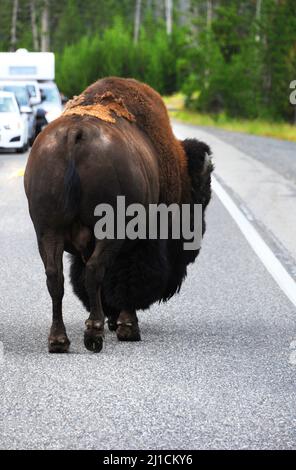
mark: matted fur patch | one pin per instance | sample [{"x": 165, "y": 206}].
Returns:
[{"x": 102, "y": 108}]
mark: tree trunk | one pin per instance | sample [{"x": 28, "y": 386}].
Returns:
[
  {"x": 184, "y": 8},
  {"x": 169, "y": 16},
  {"x": 258, "y": 9},
  {"x": 45, "y": 27},
  {"x": 158, "y": 9},
  {"x": 258, "y": 18},
  {"x": 209, "y": 13},
  {"x": 34, "y": 25},
  {"x": 137, "y": 22},
  {"x": 13, "y": 25}
]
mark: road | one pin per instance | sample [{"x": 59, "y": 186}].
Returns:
[{"x": 216, "y": 366}]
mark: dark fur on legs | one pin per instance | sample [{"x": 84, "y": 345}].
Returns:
[{"x": 150, "y": 270}]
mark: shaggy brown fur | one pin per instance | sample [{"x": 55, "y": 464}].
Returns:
[
  {"x": 114, "y": 139},
  {"x": 138, "y": 102}
]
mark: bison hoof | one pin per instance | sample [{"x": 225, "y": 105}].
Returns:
[
  {"x": 112, "y": 325},
  {"x": 93, "y": 340},
  {"x": 58, "y": 344},
  {"x": 128, "y": 332}
]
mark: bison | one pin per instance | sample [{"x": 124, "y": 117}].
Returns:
[{"x": 113, "y": 139}]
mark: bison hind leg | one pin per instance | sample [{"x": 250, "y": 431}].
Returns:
[
  {"x": 77, "y": 279},
  {"x": 102, "y": 257},
  {"x": 51, "y": 248}
]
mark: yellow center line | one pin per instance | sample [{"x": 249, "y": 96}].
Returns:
[{"x": 18, "y": 173}]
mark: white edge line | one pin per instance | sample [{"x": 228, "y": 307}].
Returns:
[{"x": 262, "y": 250}]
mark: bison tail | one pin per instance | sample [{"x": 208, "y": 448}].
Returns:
[{"x": 72, "y": 184}]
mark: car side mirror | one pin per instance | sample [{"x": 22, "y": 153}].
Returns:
[{"x": 26, "y": 110}]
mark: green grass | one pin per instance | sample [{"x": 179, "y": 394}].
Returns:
[{"x": 279, "y": 130}]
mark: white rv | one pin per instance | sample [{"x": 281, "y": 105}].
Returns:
[{"x": 37, "y": 71}]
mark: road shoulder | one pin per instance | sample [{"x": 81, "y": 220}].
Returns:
[{"x": 266, "y": 197}]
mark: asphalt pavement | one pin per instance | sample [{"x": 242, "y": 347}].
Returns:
[{"x": 215, "y": 369}]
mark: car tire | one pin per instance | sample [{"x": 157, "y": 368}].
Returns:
[{"x": 22, "y": 149}]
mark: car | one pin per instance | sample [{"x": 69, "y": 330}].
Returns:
[
  {"x": 13, "y": 125},
  {"x": 34, "y": 92},
  {"x": 51, "y": 100},
  {"x": 23, "y": 99}
]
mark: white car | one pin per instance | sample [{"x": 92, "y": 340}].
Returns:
[
  {"x": 13, "y": 125},
  {"x": 19, "y": 88}
]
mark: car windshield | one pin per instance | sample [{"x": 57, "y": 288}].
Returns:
[
  {"x": 51, "y": 95},
  {"x": 7, "y": 105},
  {"x": 21, "y": 94}
]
